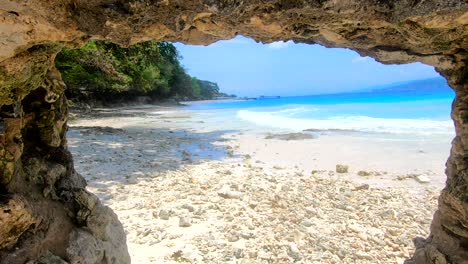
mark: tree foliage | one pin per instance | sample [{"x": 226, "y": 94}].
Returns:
[{"x": 106, "y": 72}]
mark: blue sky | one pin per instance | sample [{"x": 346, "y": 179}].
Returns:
[{"x": 243, "y": 67}]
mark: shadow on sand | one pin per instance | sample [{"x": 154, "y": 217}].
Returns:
[{"x": 107, "y": 156}]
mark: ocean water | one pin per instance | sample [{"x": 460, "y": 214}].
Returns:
[{"x": 416, "y": 108}]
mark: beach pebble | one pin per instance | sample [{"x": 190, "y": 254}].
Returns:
[
  {"x": 364, "y": 173},
  {"x": 164, "y": 214},
  {"x": 228, "y": 194},
  {"x": 187, "y": 255},
  {"x": 363, "y": 255},
  {"x": 362, "y": 236},
  {"x": 247, "y": 235},
  {"x": 239, "y": 253},
  {"x": 185, "y": 221},
  {"x": 422, "y": 179},
  {"x": 189, "y": 207},
  {"x": 155, "y": 214},
  {"x": 265, "y": 255},
  {"x": 294, "y": 251},
  {"x": 340, "y": 168},
  {"x": 362, "y": 187},
  {"x": 232, "y": 238},
  {"x": 355, "y": 228},
  {"x": 390, "y": 213},
  {"x": 306, "y": 223},
  {"x": 253, "y": 204}
]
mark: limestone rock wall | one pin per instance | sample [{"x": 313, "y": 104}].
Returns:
[
  {"x": 45, "y": 212},
  {"x": 44, "y": 207},
  {"x": 449, "y": 230}
]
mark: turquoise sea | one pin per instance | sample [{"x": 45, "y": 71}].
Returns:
[{"x": 419, "y": 107}]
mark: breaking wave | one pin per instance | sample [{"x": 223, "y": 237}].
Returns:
[{"x": 285, "y": 119}]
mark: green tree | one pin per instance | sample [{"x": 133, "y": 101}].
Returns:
[{"x": 107, "y": 72}]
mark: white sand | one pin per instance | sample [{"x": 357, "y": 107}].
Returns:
[{"x": 256, "y": 200}]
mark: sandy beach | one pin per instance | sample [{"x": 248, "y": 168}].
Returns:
[{"x": 189, "y": 190}]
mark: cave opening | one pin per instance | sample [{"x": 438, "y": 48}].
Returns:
[
  {"x": 391, "y": 161},
  {"x": 49, "y": 216}
]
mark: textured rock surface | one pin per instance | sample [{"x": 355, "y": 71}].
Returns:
[
  {"x": 15, "y": 219},
  {"x": 37, "y": 169}
]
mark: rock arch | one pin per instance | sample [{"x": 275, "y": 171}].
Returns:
[{"x": 44, "y": 208}]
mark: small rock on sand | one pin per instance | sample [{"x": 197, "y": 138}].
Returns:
[
  {"x": 306, "y": 223},
  {"x": 232, "y": 238},
  {"x": 189, "y": 207},
  {"x": 294, "y": 252},
  {"x": 318, "y": 171},
  {"x": 362, "y": 187},
  {"x": 231, "y": 195},
  {"x": 417, "y": 177},
  {"x": 164, "y": 214},
  {"x": 228, "y": 194},
  {"x": 422, "y": 179},
  {"x": 185, "y": 221},
  {"x": 371, "y": 173},
  {"x": 239, "y": 253},
  {"x": 364, "y": 173},
  {"x": 340, "y": 168}
]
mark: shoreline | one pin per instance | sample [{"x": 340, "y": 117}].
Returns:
[{"x": 204, "y": 196}]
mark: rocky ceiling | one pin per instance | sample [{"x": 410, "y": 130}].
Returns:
[{"x": 45, "y": 211}]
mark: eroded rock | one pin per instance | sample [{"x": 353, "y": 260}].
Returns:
[
  {"x": 48, "y": 258},
  {"x": 15, "y": 219},
  {"x": 103, "y": 239}
]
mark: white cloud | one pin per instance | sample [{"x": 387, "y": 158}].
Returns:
[{"x": 279, "y": 44}]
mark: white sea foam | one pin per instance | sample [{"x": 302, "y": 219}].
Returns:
[
  {"x": 278, "y": 119},
  {"x": 291, "y": 110}
]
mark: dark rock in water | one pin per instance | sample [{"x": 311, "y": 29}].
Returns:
[
  {"x": 186, "y": 156},
  {"x": 290, "y": 136}
]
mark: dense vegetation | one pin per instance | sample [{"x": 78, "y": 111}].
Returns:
[{"x": 106, "y": 72}]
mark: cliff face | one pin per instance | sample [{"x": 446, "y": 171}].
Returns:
[{"x": 45, "y": 211}]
